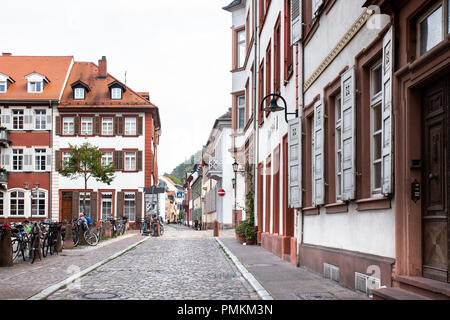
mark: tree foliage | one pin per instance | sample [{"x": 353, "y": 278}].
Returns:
[{"x": 86, "y": 162}]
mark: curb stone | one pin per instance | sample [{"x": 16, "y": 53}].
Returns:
[
  {"x": 52, "y": 289},
  {"x": 246, "y": 274}
]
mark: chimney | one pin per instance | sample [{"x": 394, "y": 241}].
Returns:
[
  {"x": 102, "y": 70},
  {"x": 6, "y": 54}
]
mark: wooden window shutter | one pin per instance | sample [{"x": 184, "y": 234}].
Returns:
[
  {"x": 75, "y": 204},
  {"x": 6, "y": 118},
  {"x": 58, "y": 125},
  {"x": 48, "y": 160},
  {"x": 119, "y": 123},
  {"x": 28, "y": 119},
  {"x": 138, "y": 218},
  {"x": 140, "y": 126},
  {"x": 120, "y": 203},
  {"x": 118, "y": 160},
  {"x": 94, "y": 207},
  {"x": 28, "y": 160},
  {"x": 48, "y": 124},
  {"x": 295, "y": 163},
  {"x": 97, "y": 126},
  {"x": 316, "y": 6},
  {"x": 387, "y": 124},
  {"x": 76, "y": 125},
  {"x": 5, "y": 155},
  {"x": 58, "y": 160},
  {"x": 348, "y": 136},
  {"x": 139, "y": 160},
  {"x": 318, "y": 183}
]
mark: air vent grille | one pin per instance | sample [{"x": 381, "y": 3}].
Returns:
[{"x": 331, "y": 272}]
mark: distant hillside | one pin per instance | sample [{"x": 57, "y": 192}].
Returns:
[{"x": 186, "y": 166}]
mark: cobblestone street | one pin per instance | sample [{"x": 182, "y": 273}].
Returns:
[{"x": 183, "y": 264}]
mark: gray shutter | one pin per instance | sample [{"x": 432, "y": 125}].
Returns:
[
  {"x": 28, "y": 160},
  {"x": 387, "y": 125},
  {"x": 296, "y": 21},
  {"x": 295, "y": 163},
  {"x": 48, "y": 124},
  {"x": 118, "y": 160},
  {"x": 48, "y": 160},
  {"x": 58, "y": 125},
  {"x": 348, "y": 136},
  {"x": 316, "y": 5},
  {"x": 318, "y": 183},
  {"x": 120, "y": 203},
  {"x": 75, "y": 204},
  {"x": 6, "y": 118},
  {"x": 6, "y": 154},
  {"x": 28, "y": 119}
]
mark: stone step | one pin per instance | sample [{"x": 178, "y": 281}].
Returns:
[
  {"x": 396, "y": 294},
  {"x": 432, "y": 289}
]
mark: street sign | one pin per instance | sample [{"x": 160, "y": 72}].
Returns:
[
  {"x": 179, "y": 194},
  {"x": 221, "y": 192}
]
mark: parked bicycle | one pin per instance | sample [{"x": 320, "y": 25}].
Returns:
[
  {"x": 35, "y": 239},
  {"x": 122, "y": 226},
  {"x": 90, "y": 237},
  {"x": 50, "y": 238}
]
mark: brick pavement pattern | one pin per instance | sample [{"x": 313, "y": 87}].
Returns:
[
  {"x": 181, "y": 265},
  {"x": 24, "y": 279}
]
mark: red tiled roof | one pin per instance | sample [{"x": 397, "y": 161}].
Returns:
[
  {"x": 55, "y": 69},
  {"x": 99, "y": 96}
]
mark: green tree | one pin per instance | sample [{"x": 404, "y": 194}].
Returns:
[{"x": 86, "y": 162}]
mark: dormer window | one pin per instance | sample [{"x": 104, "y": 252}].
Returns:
[
  {"x": 116, "y": 90},
  {"x": 79, "y": 93},
  {"x": 116, "y": 93},
  {"x": 5, "y": 82},
  {"x": 36, "y": 82},
  {"x": 79, "y": 90}
]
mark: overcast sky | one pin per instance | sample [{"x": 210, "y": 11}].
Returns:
[{"x": 179, "y": 51}]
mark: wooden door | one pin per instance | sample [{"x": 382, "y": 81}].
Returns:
[
  {"x": 66, "y": 206},
  {"x": 435, "y": 226}
]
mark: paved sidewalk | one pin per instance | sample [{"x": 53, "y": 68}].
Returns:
[
  {"x": 283, "y": 280},
  {"x": 24, "y": 279}
]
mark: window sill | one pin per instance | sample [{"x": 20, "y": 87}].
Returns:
[
  {"x": 376, "y": 203},
  {"x": 338, "y": 207},
  {"x": 311, "y": 211}
]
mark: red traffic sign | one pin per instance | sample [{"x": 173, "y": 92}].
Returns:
[{"x": 221, "y": 192}]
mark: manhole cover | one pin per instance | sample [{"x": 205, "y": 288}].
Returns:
[
  {"x": 315, "y": 296},
  {"x": 100, "y": 295}
]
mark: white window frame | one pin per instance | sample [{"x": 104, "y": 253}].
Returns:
[
  {"x": 106, "y": 197},
  {"x": 40, "y": 201},
  {"x": 33, "y": 86},
  {"x": 20, "y": 159},
  {"x": 3, "y": 83},
  {"x": 375, "y": 102},
  {"x": 65, "y": 156},
  {"x": 128, "y": 199},
  {"x": 116, "y": 93},
  {"x": 68, "y": 127},
  {"x": 241, "y": 48},
  {"x": 16, "y": 199},
  {"x": 19, "y": 115},
  {"x": 107, "y": 126},
  {"x": 87, "y": 126},
  {"x": 128, "y": 161},
  {"x": 40, "y": 119},
  {"x": 445, "y": 26},
  {"x": 79, "y": 93},
  {"x": 338, "y": 146},
  {"x": 107, "y": 157},
  {"x": 130, "y": 127},
  {"x": 40, "y": 159},
  {"x": 239, "y": 108}
]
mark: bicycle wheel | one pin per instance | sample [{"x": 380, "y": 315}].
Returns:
[
  {"x": 91, "y": 238},
  {"x": 45, "y": 246},
  {"x": 16, "y": 248},
  {"x": 75, "y": 238},
  {"x": 34, "y": 248},
  {"x": 52, "y": 244}
]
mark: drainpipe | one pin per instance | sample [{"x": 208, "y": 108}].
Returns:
[
  {"x": 51, "y": 146},
  {"x": 255, "y": 118}
]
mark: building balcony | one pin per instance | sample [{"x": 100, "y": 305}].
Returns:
[
  {"x": 215, "y": 169},
  {"x": 4, "y": 138}
]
